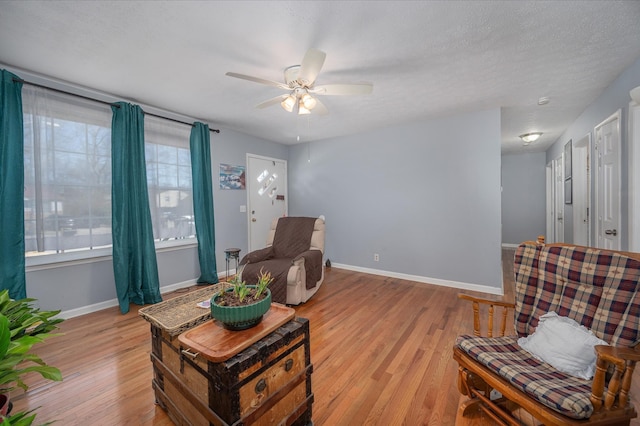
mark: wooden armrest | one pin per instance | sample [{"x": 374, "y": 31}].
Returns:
[
  {"x": 617, "y": 390},
  {"x": 613, "y": 353},
  {"x": 484, "y": 301},
  {"x": 477, "y": 301},
  {"x": 259, "y": 255}
]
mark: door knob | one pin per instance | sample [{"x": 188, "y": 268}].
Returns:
[
  {"x": 253, "y": 219},
  {"x": 611, "y": 232}
]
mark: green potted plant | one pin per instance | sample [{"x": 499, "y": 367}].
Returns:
[
  {"x": 242, "y": 306},
  {"x": 22, "y": 326}
]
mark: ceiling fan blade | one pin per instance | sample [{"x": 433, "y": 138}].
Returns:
[
  {"x": 271, "y": 101},
  {"x": 258, "y": 80},
  {"x": 311, "y": 66},
  {"x": 343, "y": 89},
  {"x": 320, "y": 108}
]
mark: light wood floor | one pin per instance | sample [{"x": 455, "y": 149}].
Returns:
[{"x": 380, "y": 347}]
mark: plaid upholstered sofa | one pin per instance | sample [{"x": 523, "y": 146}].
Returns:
[{"x": 599, "y": 290}]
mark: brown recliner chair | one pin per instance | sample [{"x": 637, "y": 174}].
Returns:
[{"x": 294, "y": 256}]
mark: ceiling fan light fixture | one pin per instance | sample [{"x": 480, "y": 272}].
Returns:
[
  {"x": 530, "y": 137},
  {"x": 302, "y": 110},
  {"x": 288, "y": 103},
  {"x": 308, "y": 101}
]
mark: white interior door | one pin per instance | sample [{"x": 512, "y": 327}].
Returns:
[
  {"x": 559, "y": 199},
  {"x": 607, "y": 137},
  {"x": 266, "y": 196},
  {"x": 581, "y": 191}
]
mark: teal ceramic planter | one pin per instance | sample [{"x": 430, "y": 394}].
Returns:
[{"x": 241, "y": 317}]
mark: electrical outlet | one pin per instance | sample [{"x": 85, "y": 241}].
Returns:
[{"x": 376, "y": 257}]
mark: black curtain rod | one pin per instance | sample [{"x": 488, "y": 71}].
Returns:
[{"x": 19, "y": 80}]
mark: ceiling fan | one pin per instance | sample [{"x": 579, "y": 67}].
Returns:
[{"x": 300, "y": 85}]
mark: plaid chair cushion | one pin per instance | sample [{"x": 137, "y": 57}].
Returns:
[
  {"x": 597, "y": 288},
  {"x": 565, "y": 394}
]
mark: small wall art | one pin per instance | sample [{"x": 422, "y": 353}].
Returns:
[
  {"x": 568, "y": 183},
  {"x": 232, "y": 177},
  {"x": 567, "y": 160}
]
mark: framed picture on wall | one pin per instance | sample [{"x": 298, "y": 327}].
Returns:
[
  {"x": 567, "y": 160},
  {"x": 232, "y": 177},
  {"x": 567, "y": 191}
]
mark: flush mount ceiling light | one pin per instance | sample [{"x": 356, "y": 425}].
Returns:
[{"x": 530, "y": 137}]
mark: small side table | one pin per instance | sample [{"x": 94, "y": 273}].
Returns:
[{"x": 231, "y": 253}]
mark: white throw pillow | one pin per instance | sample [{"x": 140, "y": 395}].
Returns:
[{"x": 563, "y": 343}]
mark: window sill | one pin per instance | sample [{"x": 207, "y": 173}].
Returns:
[{"x": 60, "y": 260}]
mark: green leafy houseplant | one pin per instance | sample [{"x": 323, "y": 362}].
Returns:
[
  {"x": 22, "y": 326},
  {"x": 242, "y": 306},
  {"x": 264, "y": 279}
]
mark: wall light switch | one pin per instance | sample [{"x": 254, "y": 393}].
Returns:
[{"x": 243, "y": 209}]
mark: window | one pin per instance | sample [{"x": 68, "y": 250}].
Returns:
[
  {"x": 67, "y": 173},
  {"x": 169, "y": 179},
  {"x": 67, "y": 159}
]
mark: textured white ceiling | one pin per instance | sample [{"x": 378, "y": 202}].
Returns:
[{"x": 426, "y": 59}]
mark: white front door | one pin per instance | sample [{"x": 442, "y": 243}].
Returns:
[
  {"x": 559, "y": 199},
  {"x": 266, "y": 196},
  {"x": 607, "y": 136}
]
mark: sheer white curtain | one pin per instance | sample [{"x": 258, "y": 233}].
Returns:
[
  {"x": 67, "y": 172},
  {"x": 169, "y": 179}
]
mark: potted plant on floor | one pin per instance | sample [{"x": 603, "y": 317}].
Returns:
[
  {"x": 242, "y": 306},
  {"x": 21, "y": 327}
]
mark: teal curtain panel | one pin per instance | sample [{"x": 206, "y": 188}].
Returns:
[
  {"x": 12, "y": 275},
  {"x": 134, "y": 257},
  {"x": 200, "y": 147}
]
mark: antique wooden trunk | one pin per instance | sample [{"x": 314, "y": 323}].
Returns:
[{"x": 266, "y": 383}]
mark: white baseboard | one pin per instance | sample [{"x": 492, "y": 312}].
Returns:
[
  {"x": 172, "y": 287},
  {"x": 71, "y": 313},
  {"x": 508, "y": 245},
  {"x": 435, "y": 281}
]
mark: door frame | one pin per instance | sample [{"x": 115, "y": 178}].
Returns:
[
  {"x": 581, "y": 177},
  {"x": 634, "y": 176},
  {"x": 555, "y": 199},
  {"x": 550, "y": 197},
  {"x": 597, "y": 180},
  {"x": 558, "y": 183}
]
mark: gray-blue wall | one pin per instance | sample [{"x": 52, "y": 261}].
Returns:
[
  {"x": 614, "y": 97},
  {"x": 523, "y": 197},
  {"x": 424, "y": 196}
]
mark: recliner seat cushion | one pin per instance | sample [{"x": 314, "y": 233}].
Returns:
[{"x": 561, "y": 392}]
